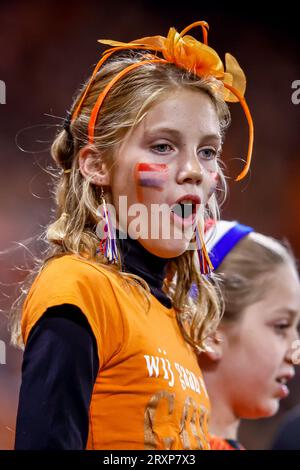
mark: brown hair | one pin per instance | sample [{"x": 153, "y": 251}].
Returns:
[{"x": 245, "y": 272}]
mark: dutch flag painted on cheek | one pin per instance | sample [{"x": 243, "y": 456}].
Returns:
[{"x": 152, "y": 175}]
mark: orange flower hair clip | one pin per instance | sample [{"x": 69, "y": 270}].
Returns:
[{"x": 185, "y": 52}]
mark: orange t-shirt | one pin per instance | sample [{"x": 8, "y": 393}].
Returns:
[
  {"x": 219, "y": 443},
  {"x": 149, "y": 392}
]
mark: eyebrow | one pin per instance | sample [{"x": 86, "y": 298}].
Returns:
[
  {"x": 291, "y": 312},
  {"x": 176, "y": 133}
]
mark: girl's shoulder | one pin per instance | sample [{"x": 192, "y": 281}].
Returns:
[
  {"x": 72, "y": 279},
  {"x": 78, "y": 265},
  {"x": 74, "y": 270}
]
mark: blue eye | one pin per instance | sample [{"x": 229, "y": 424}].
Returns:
[
  {"x": 208, "y": 153},
  {"x": 161, "y": 148}
]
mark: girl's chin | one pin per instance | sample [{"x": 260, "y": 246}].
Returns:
[
  {"x": 271, "y": 408},
  {"x": 261, "y": 410}
]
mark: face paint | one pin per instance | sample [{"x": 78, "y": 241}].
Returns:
[
  {"x": 150, "y": 175},
  {"x": 215, "y": 176}
]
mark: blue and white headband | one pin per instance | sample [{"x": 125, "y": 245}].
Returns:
[{"x": 221, "y": 237}]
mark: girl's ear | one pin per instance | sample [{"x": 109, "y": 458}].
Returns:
[
  {"x": 214, "y": 346},
  {"x": 91, "y": 163}
]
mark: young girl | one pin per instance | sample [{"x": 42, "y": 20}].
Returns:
[
  {"x": 248, "y": 361},
  {"x": 109, "y": 360}
]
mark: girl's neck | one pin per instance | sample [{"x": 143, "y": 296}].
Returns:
[
  {"x": 223, "y": 422},
  {"x": 137, "y": 260}
]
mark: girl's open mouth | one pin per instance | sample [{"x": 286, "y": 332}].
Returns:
[{"x": 184, "y": 212}]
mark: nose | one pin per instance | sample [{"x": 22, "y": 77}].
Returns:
[
  {"x": 289, "y": 356},
  {"x": 190, "y": 169},
  {"x": 293, "y": 350}
]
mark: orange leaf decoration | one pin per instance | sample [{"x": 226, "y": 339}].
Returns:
[{"x": 187, "y": 53}]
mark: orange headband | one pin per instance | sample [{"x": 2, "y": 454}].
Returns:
[{"x": 187, "y": 53}]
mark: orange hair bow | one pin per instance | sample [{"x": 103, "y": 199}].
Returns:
[{"x": 185, "y": 52}]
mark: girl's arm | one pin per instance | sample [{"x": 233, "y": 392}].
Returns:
[{"x": 60, "y": 366}]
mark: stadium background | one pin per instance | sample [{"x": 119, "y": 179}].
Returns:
[{"x": 48, "y": 48}]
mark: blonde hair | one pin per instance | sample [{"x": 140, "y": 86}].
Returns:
[
  {"x": 125, "y": 106},
  {"x": 246, "y": 270}
]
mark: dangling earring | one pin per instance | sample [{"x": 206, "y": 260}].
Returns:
[
  {"x": 206, "y": 266},
  {"x": 108, "y": 245}
]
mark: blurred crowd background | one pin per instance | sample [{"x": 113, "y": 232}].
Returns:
[{"x": 49, "y": 48}]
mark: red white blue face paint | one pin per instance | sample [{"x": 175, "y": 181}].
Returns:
[{"x": 150, "y": 175}]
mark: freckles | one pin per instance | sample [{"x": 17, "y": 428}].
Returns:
[{"x": 150, "y": 175}]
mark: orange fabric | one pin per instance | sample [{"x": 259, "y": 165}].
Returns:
[
  {"x": 149, "y": 392},
  {"x": 218, "y": 443}
]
